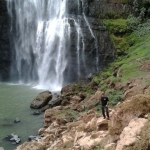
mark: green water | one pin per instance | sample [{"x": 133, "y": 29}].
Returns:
[{"x": 15, "y": 103}]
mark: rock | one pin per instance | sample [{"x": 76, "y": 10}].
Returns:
[
  {"x": 31, "y": 146},
  {"x": 44, "y": 108},
  {"x": 67, "y": 89},
  {"x": 145, "y": 66},
  {"x": 91, "y": 125},
  {"x": 94, "y": 100},
  {"x": 133, "y": 91},
  {"x": 6, "y": 50},
  {"x": 138, "y": 106},
  {"x": 56, "y": 101},
  {"x": 13, "y": 138},
  {"x": 1, "y": 148},
  {"x": 102, "y": 124},
  {"x": 111, "y": 146},
  {"x": 37, "y": 112},
  {"x": 147, "y": 90},
  {"x": 75, "y": 99},
  {"x": 16, "y": 120},
  {"x": 89, "y": 76},
  {"x": 88, "y": 141},
  {"x": 79, "y": 107},
  {"x": 65, "y": 102},
  {"x": 41, "y": 100},
  {"x": 41, "y": 131},
  {"x": 34, "y": 138},
  {"x": 130, "y": 134}
]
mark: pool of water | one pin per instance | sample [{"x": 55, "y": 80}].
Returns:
[{"x": 15, "y": 103}]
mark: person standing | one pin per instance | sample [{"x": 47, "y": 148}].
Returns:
[{"x": 104, "y": 102}]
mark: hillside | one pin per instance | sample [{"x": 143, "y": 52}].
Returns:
[{"x": 77, "y": 124}]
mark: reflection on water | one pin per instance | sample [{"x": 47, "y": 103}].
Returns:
[{"x": 15, "y": 103}]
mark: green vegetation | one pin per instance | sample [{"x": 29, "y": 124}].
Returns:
[
  {"x": 68, "y": 114},
  {"x": 96, "y": 80},
  {"x": 68, "y": 145},
  {"x": 118, "y": 29},
  {"x": 115, "y": 96},
  {"x": 131, "y": 38},
  {"x": 97, "y": 147}
]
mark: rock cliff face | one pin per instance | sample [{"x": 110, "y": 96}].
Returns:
[
  {"x": 4, "y": 42},
  {"x": 101, "y": 8},
  {"x": 97, "y": 46},
  {"x": 99, "y": 50}
]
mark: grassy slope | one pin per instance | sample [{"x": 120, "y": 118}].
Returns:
[{"x": 131, "y": 50}]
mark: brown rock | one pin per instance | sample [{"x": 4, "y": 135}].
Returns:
[
  {"x": 41, "y": 100},
  {"x": 111, "y": 146},
  {"x": 41, "y": 131},
  {"x": 102, "y": 124},
  {"x": 145, "y": 66},
  {"x": 147, "y": 90},
  {"x": 138, "y": 106},
  {"x": 138, "y": 89},
  {"x": 91, "y": 125},
  {"x": 130, "y": 134},
  {"x": 31, "y": 146},
  {"x": 66, "y": 90}
]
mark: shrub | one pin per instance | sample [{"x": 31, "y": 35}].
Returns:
[
  {"x": 96, "y": 79},
  {"x": 132, "y": 22},
  {"x": 115, "y": 96}
]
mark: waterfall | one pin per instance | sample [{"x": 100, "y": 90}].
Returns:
[{"x": 41, "y": 37}]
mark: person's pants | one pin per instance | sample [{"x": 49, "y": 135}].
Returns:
[{"x": 105, "y": 109}]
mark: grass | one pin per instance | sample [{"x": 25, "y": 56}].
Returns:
[
  {"x": 68, "y": 114},
  {"x": 118, "y": 29},
  {"x": 147, "y": 82},
  {"x": 116, "y": 26},
  {"x": 115, "y": 96},
  {"x": 130, "y": 60},
  {"x": 130, "y": 70}
]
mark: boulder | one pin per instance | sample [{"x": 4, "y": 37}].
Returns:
[
  {"x": 41, "y": 100},
  {"x": 133, "y": 91},
  {"x": 111, "y": 146},
  {"x": 102, "y": 124},
  {"x": 17, "y": 120},
  {"x": 37, "y": 112},
  {"x": 68, "y": 89},
  {"x": 137, "y": 107},
  {"x": 56, "y": 101},
  {"x": 13, "y": 138},
  {"x": 34, "y": 138},
  {"x": 131, "y": 135},
  {"x": 92, "y": 141},
  {"x": 31, "y": 145}
]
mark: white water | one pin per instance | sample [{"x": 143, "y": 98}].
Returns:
[
  {"x": 41, "y": 35},
  {"x": 40, "y": 41},
  {"x": 97, "y": 59}
]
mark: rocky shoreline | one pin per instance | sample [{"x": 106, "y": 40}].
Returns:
[{"x": 77, "y": 124}]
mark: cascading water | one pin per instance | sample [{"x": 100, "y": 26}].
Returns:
[{"x": 41, "y": 38}]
